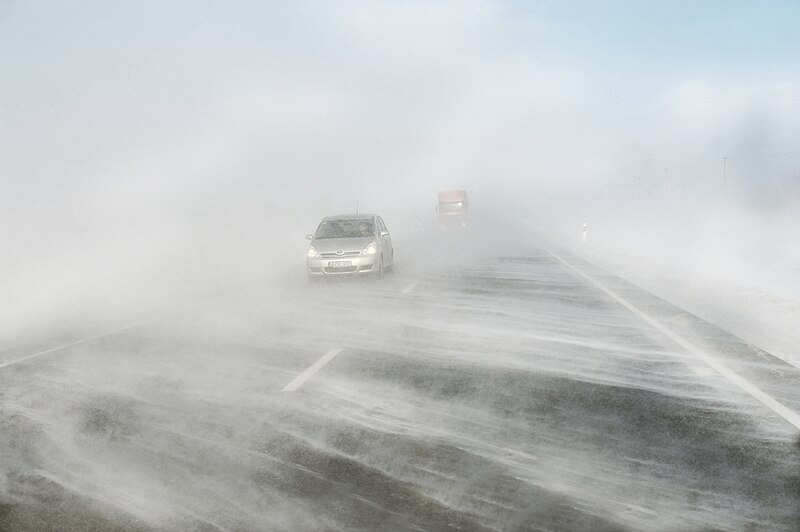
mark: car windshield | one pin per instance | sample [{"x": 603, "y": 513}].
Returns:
[{"x": 346, "y": 228}]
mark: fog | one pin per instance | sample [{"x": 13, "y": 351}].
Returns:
[
  {"x": 147, "y": 143},
  {"x": 163, "y": 162}
]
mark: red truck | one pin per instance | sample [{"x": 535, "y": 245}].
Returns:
[{"x": 453, "y": 208}]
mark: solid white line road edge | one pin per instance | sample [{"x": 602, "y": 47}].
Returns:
[
  {"x": 744, "y": 384},
  {"x": 410, "y": 287},
  {"x": 87, "y": 339},
  {"x": 315, "y": 367}
]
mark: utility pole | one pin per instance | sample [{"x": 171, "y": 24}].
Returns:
[
  {"x": 724, "y": 176},
  {"x": 667, "y": 203},
  {"x": 725, "y": 213}
]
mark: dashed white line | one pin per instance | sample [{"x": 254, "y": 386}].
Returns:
[
  {"x": 742, "y": 383},
  {"x": 315, "y": 367},
  {"x": 409, "y": 288}
]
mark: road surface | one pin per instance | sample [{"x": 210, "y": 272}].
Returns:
[{"x": 510, "y": 389}]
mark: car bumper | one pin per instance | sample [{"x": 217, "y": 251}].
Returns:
[
  {"x": 453, "y": 220},
  {"x": 321, "y": 267}
]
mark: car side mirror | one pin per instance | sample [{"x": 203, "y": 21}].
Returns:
[
  {"x": 384, "y": 233},
  {"x": 309, "y": 236}
]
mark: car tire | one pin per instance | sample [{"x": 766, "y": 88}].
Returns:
[
  {"x": 379, "y": 273},
  {"x": 390, "y": 269}
]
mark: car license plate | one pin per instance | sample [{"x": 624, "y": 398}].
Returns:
[{"x": 340, "y": 263}]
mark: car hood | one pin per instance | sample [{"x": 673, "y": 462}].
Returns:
[{"x": 327, "y": 245}]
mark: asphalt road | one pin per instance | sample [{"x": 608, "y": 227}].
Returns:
[{"x": 499, "y": 390}]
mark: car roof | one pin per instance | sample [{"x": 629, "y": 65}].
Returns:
[{"x": 350, "y": 217}]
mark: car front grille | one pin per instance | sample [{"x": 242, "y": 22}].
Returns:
[{"x": 347, "y": 269}]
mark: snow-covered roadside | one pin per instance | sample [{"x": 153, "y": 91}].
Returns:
[{"x": 751, "y": 308}]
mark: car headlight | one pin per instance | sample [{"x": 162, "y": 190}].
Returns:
[
  {"x": 312, "y": 253},
  {"x": 371, "y": 249}
]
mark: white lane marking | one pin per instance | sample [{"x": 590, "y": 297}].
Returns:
[
  {"x": 315, "y": 367},
  {"x": 744, "y": 384},
  {"x": 85, "y": 340},
  {"x": 410, "y": 287}
]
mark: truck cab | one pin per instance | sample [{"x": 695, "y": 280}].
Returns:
[{"x": 453, "y": 208}]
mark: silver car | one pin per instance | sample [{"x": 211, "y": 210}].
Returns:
[{"x": 350, "y": 244}]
